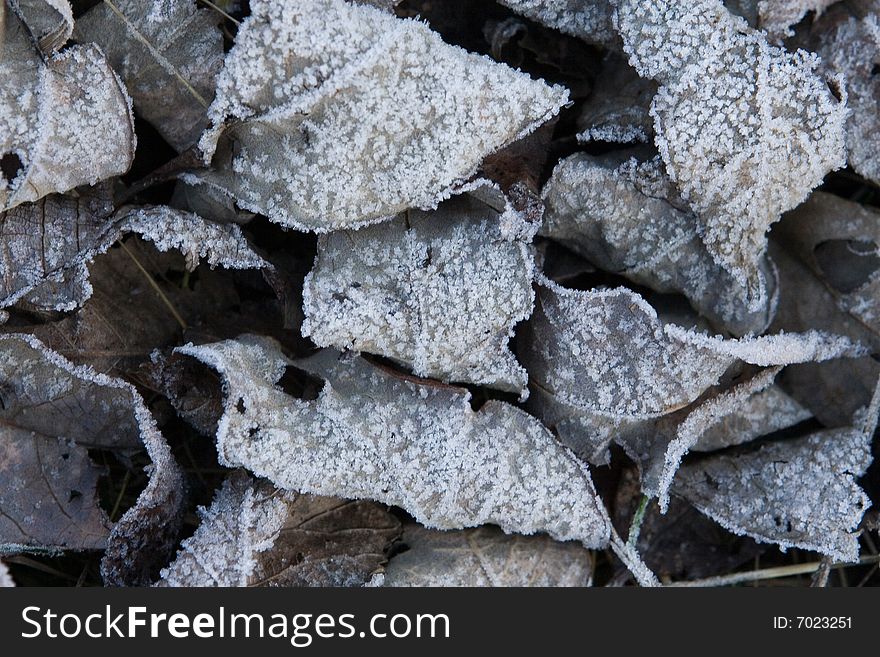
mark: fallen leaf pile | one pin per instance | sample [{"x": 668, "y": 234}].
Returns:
[{"x": 464, "y": 293}]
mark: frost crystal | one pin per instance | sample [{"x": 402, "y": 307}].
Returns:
[
  {"x": 168, "y": 54},
  {"x": 5, "y": 578},
  {"x": 333, "y": 115},
  {"x": 799, "y": 493},
  {"x": 745, "y": 129},
  {"x": 778, "y": 16},
  {"x": 256, "y": 535},
  {"x": 626, "y": 217},
  {"x": 588, "y": 19},
  {"x": 416, "y": 445},
  {"x": 486, "y": 556},
  {"x": 438, "y": 291}
]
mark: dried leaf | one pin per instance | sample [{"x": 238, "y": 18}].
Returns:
[
  {"x": 400, "y": 441},
  {"x": 332, "y": 115},
  {"x": 257, "y": 535},
  {"x": 486, "y": 556},
  {"x": 588, "y": 19},
  {"x": 52, "y": 413},
  {"x": 437, "y": 291},
  {"x": 778, "y": 16},
  {"x": 168, "y": 52},
  {"x": 799, "y": 493},
  {"x": 65, "y": 119},
  {"x": 48, "y": 245},
  {"x": 745, "y": 129},
  {"x": 625, "y": 216},
  {"x": 49, "y": 21}
]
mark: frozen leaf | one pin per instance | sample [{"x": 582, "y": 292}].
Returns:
[
  {"x": 168, "y": 52},
  {"x": 850, "y": 47},
  {"x": 625, "y": 216},
  {"x": 52, "y": 413},
  {"x": 836, "y": 389},
  {"x": 332, "y": 115},
  {"x": 796, "y": 493},
  {"x": 50, "y": 21},
  {"x": 48, "y": 245},
  {"x": 778, "y": 16},
  {"x": 208, "y": 202},
  {"x": 5, "y": 578},
  {"x": 602, "y": 365},
  {"x": 618, "y": 108},
  {"x": 400, "y": 441},
  {"x": 588, "y": 19},
  {"x": 486, "y": 556},
  {"x": 440, "y": 292},
  {"x": 257, "y": 535},
  {"x": 745, "y": 129},
  {"x": 65, "y": 119}
]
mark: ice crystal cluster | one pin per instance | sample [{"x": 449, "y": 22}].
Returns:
[{"x": 365, "y": 291}]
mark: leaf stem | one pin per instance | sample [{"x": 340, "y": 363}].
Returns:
[{"x": 154, "y": 285}]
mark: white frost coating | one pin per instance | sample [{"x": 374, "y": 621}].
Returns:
[
  {"x": 589, "y": 20},
  {"x": 852, "y": 49},
  {"x": 625, "y": 216},
  {"x": 486, "y": 556},
  {"x": 68, "y": 119},
  {"x": 333, "y": 115},
  {"x": 195, "y": 238},
  {"x": 440, "y": 292},
  {"x": 799, "y": 493},
  {"x": 701, "y": 420},
  {"x": 607, "y": 352},
  {"x": 50, "y": 22},
  {"x": 745, "y": 129},
  {"x": 6, "y": 580},
  {"x": 171, "y": 81},
  {"x": 244, "y": 520},
  {"x": 419, "y": 446}
]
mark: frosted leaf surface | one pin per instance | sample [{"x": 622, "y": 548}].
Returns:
[
  {"x": 332, "y": 115},
  {"x": 440, "y": 292},
  {"x": 851, "y": 47},
  {"x": 745, "y": 129},
  {"x": 171, "y": 80},
  {"x": 777, "y": 17},
  {"x": 52, "y": 413},
  {"x": 589, "y": 20},
  {"x": 5, "y": 578},
  {"x": 486, "y": 556},
  {"x": 48, "y": 245},
  {"x": 254, "y": 534},
  {"x": 797, "y": 493},
  {"x": 840, "y": 242},
  {"x": 50, "y": 22},
  {"x": 67, "y": 119},
  {"x": 625, "y": 216},
  {"x": 400, "y": 441}
]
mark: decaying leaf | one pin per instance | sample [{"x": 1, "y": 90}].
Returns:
[
  {"x": 588, "y": 19},
  {"x": 257, "y": 535},
  {"x": 47, "y": 246},
  {"x": 440, "y": 292},
  {"x": 50, "y": 21},
  {"x": 745, "y": 129},
  {"x": 400, "y": 441},
  {"x": 486, "y": 556},
  {"x": 602, "y": 363},
  {"x": 796, "y": 493},
  {"x": 168, "y": 52},
  {"x": 625, "y": 216},
  {"x": 65, "y": 117},
  {"x": 332, "y": 115},
  {"x": 778, "y": 16},
  {"x": 52, "y": 413}
]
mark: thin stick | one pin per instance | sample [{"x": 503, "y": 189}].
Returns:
[
  {"x": 772, "y": 573},
  {"x": 155, "y": 286},
  {"x": 164, "y": 63},
  {"x": 220, "y": 11},
  {"x": 635, "y": 526},
  {"x": 118, "y": 502}
]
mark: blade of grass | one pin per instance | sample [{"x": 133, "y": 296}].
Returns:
[{"x": 772, "y": 573}]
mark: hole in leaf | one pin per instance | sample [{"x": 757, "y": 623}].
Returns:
[
  {"x": 847, "y": 264},
  {"x": 834, "y": 88},
  {"x": 875, "y": 70},
  {"x": 11, "y": 165}
]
